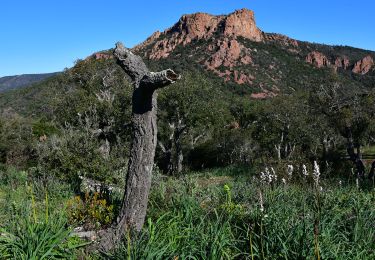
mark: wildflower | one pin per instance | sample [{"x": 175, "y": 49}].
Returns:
[
  {"x": 261, "y": 202},
  {"x": 263, "y": 177},
  {"x": 316, "y": 173},
  {"x": 290, "y": 170},
  {"x": 273, "y": 175},
  {"x": 283, "y": 180},
  {"x": 340, "y": 182},
  {"x": 304, "y": 170},
  {"x": 268, "y": 176},
  {"x": 226, "y": 188}
]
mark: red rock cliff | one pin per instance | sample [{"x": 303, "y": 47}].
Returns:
[
  {"x": 317, "y": 59},
  {"x": 241, "y": 23},
  {"x": 363, "y": 66}
]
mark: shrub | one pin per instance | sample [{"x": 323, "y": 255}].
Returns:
[{"x": 93, "y": 211}]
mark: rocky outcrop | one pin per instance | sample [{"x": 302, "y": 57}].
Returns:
[
  {"x": 242, "y": 23},
  {"x": 99, "y": 56},
  {"x": 154, "y": 37},
  {"x": 227, "y": 54},
  {"x": 102, "y": 56},
  {"x": 241, "y": 78},
  {"x": 197, "y": 26},
  {"x": 162, "y": 49},
  {"x": 263, "y": 95},
  {"x": 317, "y": 59},
  {"x": 363, "y": 66},
  {"x": 225, "y": 75},
  {"x": 281, "y": 39},
  {"x": 342, "y": 62}
]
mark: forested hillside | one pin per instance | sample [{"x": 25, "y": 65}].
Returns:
[{"x": 19, "y": 81}]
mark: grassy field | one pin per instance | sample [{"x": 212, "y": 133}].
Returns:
[{"x": 217, "y": 214}]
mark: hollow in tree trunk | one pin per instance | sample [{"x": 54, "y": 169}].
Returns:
[{"x": 144, "y": 139}]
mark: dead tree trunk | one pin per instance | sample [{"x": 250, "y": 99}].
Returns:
[{"x": 144, "y": 135}]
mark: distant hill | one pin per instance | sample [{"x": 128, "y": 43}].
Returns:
[
  {"x": 19, "y": 81},
  {"x": 230, "y": 51}
]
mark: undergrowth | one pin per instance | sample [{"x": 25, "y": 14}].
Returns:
[{"x": 207, "y": 215}]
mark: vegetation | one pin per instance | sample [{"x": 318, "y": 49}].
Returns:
[
  {"x": 234, "y": 177},
  {"x": 220, "y": 213}
]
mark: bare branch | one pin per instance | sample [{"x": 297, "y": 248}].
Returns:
[
  {"x": 131, "y": 63},
  {"x": 160, "y": 79}
]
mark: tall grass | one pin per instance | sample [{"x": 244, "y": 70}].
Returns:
[
  {"x": 211, "y": 215},
  {"x": 32, "y": 229},
  {"x": 192, "y": 221},
  {"x": 27, "y": 239},
  {"x": 185, "y": 232}
]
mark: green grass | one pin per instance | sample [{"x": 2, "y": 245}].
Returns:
[
  {"x": 189, "y": 219},
  {"x": 33, "y": 222},
  {"x": 214, "y": 214}
]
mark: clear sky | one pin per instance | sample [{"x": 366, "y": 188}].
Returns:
[{"x": 38, "y": 36}]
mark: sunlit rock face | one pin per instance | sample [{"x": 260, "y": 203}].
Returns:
[
  {"x": 363, "y": 66},
  {"x": 197, "y": 26}
]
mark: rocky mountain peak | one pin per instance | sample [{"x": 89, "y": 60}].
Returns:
[
  {"x": 199, "y": 25},
  {"x": 240, "y": 23},
  {"x": 234, "y": 48}
]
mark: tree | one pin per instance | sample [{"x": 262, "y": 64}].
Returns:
[
  {"x": 351, "y": 114},
  {"x": 90, "y": 116},
  {"x": 189, "y": 116},
  {"x": 283, "y": 128},
  {"x": 144, "y": 139}
]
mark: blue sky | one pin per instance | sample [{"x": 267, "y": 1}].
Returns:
[{"x": 38, "y": 36}]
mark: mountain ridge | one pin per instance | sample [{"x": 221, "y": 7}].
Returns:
[
  {"x": 259, "y": 65},
  {"x": 227, "y": 46},
  {"x": 23, "y": 80}
]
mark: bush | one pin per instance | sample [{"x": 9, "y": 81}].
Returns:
[{"x": 92, "y": 211}]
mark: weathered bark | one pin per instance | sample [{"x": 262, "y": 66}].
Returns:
[{"x": 142, "y": 152}]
